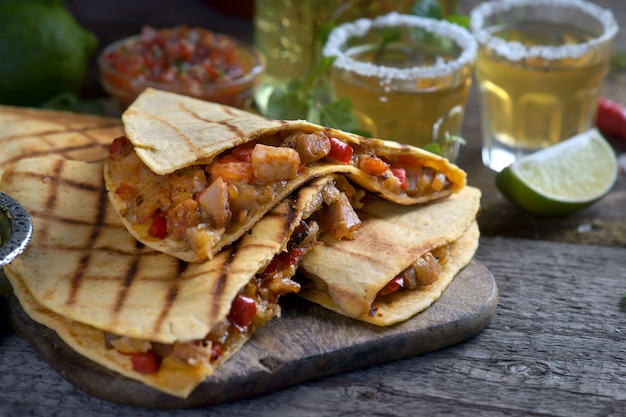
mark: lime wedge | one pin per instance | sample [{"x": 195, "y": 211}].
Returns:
[{"x": 562, "y": 178}]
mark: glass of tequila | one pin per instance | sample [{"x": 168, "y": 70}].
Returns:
[
  {"x": 290, "y": 34},
  {"x": 540, "y": 68},
  {"x": 407, "y": 77}
]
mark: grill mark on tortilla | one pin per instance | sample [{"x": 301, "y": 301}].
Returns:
[
  {"x": 77, "y": 279},
  {"x": 170, "y": 297},
  {"x": 232, "y": 128},
  {"x": 127, "y": 282},
  {"x": 52, "y": 144},
  {"x": 220, "y": 282}
]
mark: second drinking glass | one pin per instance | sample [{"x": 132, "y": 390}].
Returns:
[{"x": 407, "y": 77}]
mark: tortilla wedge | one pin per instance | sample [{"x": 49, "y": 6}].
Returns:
[
  {"x": 28, "y": 132},
  {"x": 348, "y": 276},
  {"x": 113, "y": 299},
  {"x": 246, "y": 163}
]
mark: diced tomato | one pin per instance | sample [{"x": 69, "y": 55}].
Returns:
[
  {"x": 212, "y": 73},
  {"x": 340, "y": 151},
  {"x": 400, "y": 173},
  {"x": 117, "y": 146},
  {"x": 186, "y": 49},
  {"x": 158, "y": 228},
  {"x": 153, "y": 59},
  {"x": 242, "y": 312},
  {"x": 206, "y": 56},
  {"x": 127, "y": 64},
  {"x": 373, "y": 165},
  {"x": 393, "y": 286},
  {"x": 145, "y": 362}
]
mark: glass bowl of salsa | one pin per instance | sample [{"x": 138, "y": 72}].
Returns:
[{"x": 186, "y": 60}]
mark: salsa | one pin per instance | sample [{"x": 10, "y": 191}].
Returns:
[
  {"x": 180, "y": 54},
  {"x": 188, "y": 60}
]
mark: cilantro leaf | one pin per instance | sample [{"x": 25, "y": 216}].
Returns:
[
  {"x": 308, "y": 98},
  {"x": 287, "y": 104}
]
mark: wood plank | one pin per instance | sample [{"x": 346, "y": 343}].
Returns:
[
  {"x": 307, "y": 342},
  {"x": 555, "y": 347}
]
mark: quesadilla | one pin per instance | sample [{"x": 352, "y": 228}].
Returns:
[
  {"x": 400, "y": 262},
  {"x": 28, "y": 132},
  {"x": 137, "y": 311},
  {"x": 190, "y": 177}
]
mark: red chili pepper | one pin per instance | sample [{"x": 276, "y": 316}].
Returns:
[
  {"x": 340, "y": 151},
  {"x": 145, "y": 362},
  {"x": 611, "y": 118}
]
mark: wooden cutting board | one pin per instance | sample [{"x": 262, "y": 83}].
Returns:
[{"x": 307, "y": 342}]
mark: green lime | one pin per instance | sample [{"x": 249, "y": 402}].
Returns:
[
  {"x": 562, "y": 178},
  {"x": 43, "y": 51}
]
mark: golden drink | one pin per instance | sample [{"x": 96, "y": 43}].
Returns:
[
  {"x": 290, "y": 34},
  {"x": 539, "y": 81},
  {"x": 407, "y": 77},
  {"x": 418, "y": 111},
  {"x": 448, "y": 7}
]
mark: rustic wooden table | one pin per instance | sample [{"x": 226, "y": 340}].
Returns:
[{"x": 556, "y": 345}]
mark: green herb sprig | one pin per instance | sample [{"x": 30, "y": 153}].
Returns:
[{"x": 309, "y": 98}]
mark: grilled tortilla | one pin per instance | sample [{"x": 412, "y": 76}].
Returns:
[
  {"x": 400, "y": 262},
  {"x": 137, "y": 311},
  {"x": 28, "y": 132},
  {"x": 191, "y": 176}
]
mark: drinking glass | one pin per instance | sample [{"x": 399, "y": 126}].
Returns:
[
  {"x": 407, "y": 77},
  {"x": 291, "y": 32},
  {"x": 539, "y": 69}
]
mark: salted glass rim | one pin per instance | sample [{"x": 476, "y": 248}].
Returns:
[
  {"x": 341, "y": 34},
  {"x": 515, "y": 51}
]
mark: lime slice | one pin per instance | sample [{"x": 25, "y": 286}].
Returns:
[{"x": 562, "y": 178}]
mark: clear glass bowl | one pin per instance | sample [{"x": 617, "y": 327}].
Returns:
[{"x": 237, "y": 92}]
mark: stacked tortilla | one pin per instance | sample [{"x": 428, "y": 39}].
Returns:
[{"x": 160, "y": 260}]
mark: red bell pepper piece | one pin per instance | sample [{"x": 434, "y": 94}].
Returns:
[
  {"x": 158, "y": 228},
  {"x": 145, "y": 362},
  {"x": 400, "y": 173},
  {"x": 340, "y": 151},
  {"x": 393, "y": 286},
  {"x": 242, "y": 312},
  {"x": 117, "y": 146}
]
